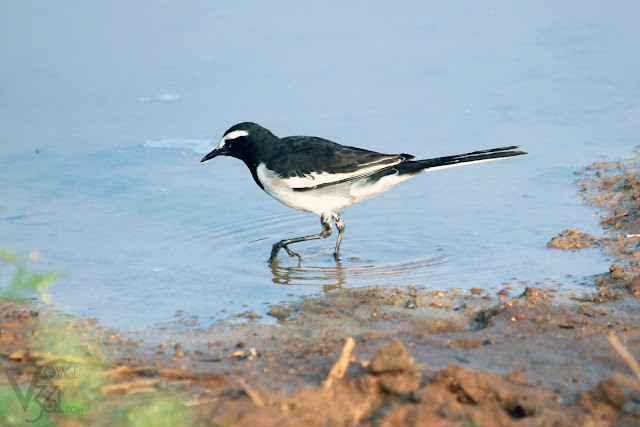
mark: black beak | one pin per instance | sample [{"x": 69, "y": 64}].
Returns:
[{"x": 215, "y": 153}]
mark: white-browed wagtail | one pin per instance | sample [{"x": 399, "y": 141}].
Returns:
[{"x": 317, "y": 175}]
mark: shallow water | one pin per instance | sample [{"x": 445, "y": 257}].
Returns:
[{"x": 121, "y": 107}]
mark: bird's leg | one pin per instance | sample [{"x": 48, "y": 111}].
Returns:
[
  {"x": 337, "y": 219},
  {"x": 326, "y": 232}
]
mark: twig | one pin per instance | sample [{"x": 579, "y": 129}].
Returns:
[
  {"x": 611, "y": 218},
  {"x": 192, "y": 403},
  {"x": 140, "y": 390},
  {"x": 625, "y": 354},
  {"x": 125, "y": 370},
  {"x": 115, "y": 371},
  {"x": 253, "y": 395},
  {"x": 130, "y": 385},
  {"x": 626, "y": 381},
  {"x": 339, "y": 369},
  {"x": 49, "y": 358}
]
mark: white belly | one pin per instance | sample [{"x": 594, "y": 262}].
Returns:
[{"x": 330, "y": 199}]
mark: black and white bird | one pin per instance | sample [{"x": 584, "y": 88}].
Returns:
[{"x": 317, "y": 175}]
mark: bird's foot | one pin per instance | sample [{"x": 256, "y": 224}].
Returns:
[
  {"x": 336, "y": 256},
  {"x": 276, "y": 249},
  {"x": 291, "y": 253}
]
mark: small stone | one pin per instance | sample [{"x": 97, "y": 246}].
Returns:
[{"x": 237, "y": 353}]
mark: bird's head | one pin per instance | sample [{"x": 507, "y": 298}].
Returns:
[{"x": 238, "y": 141}]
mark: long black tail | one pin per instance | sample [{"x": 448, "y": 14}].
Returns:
[{"x": 418, "y": 166}]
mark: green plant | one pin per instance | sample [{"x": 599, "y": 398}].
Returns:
[
  {"x": 24, "y": 281},
  {"x": 71, "y": 363}
]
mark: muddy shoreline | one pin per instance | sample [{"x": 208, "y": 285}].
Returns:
[{"x": 518, "y": 354}]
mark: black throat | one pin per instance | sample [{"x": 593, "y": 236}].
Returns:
[{"x": 259, "y": 147}]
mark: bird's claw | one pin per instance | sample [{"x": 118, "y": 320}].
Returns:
[
  {"x": 276, "y": 249},
  {"x": 291, "y": 253}
]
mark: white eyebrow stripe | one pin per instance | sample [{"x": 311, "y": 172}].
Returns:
[{"x": 232, "y": 135}]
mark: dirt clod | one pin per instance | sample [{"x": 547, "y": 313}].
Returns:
[
  {"x": 608, "y": 391},
  {"x": 534, "y": 295},
  {"x": 281, "y": 312},
  {"x": 634, "y": 287},
  {"x": 399, "y": 383},
  {"x": 392, "y": 357},
  {"x": 572, "y": 240},
  {"x": 617, "y": 272}
]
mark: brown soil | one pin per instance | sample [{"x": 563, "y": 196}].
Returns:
[
  {"x": 521, "y": 354},
  {"x": 573, "y": 240}
]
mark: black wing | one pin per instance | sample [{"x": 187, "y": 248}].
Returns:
[{"x": 309, "y": 163}]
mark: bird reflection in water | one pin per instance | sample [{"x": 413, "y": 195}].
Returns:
[{"x": 333, "y": 277}]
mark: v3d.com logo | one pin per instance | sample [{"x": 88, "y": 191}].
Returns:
[{"x": 42, "y": 395}]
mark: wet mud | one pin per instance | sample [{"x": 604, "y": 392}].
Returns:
[{"x": 519, "y": 353}]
